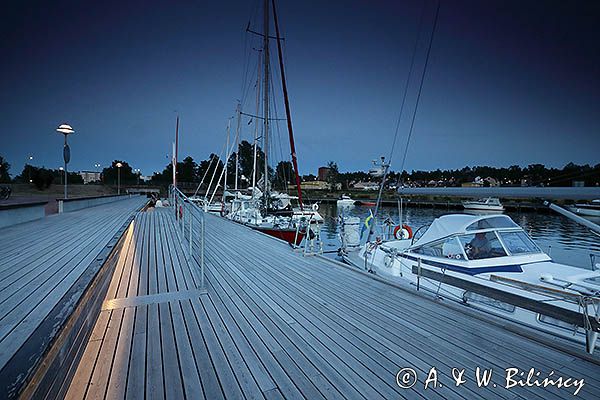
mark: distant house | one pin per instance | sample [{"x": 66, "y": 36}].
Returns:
[
  {"x": 477, "y": 182},
  {"x": 315, "y": 185},
  {"x": 323, "y": 173},
  {"x": 89, "y": 176}
]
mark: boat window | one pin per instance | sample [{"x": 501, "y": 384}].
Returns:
[
  {"x": 482, "y": 245},
  {"x": 492, "y": 223},
  {"x": 449, "y": 248},
  {"x": 519, "y": 243}
]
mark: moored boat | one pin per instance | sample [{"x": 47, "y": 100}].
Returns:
[
  {"x": 591, "y": 209},
  {"x": 485, "y": 204},
  {"x": 490, "y": 251}
]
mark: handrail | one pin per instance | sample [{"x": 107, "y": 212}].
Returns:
[{"x": 183, "y": 206}]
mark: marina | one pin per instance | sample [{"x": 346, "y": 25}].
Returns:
[
  {"x": 274, "y": 200},
  {"x": 276, "y": 324}
]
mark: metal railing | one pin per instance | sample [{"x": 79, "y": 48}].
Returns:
[{"x": 184, "y": 210}]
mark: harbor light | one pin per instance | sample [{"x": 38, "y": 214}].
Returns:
[{"x": 66, "y": 130}]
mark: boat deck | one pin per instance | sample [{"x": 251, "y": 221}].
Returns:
[
  {"x": 41, "y": 264},
  {"x": 275, "y": 324}
]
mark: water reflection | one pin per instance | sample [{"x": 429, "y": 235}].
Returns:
[{"x": 566, "y": 241}]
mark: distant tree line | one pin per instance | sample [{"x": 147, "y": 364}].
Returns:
[
  {"x": 532, "y": 175},
  {"x": 283, "y": 174},
  {"x": 40, "y": 177}
]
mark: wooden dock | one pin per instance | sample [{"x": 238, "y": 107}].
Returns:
[
  {"x": 275, "y": 324},
  {"x": 45, "y": 266}
]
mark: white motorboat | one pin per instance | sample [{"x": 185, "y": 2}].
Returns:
[
  {"x": 486, "y": 204},
  {"x": 345, "y": 201},
  {"x": 591, "y": 209},
  {"x": 492, "y": 251}
]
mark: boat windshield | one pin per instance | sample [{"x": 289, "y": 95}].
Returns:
[
  {"x": 517, "y": 242},
  {"x": 482, "y": 245},
  {"x": 492, "y": 223},
  {"x": 447, "y": 248}
]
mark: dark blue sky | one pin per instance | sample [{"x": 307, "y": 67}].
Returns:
[{"x": 508, "y": 82}]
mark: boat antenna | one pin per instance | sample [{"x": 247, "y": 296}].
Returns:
[{"x": 287, "y": 109}]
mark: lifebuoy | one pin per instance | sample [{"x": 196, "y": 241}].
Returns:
[
  {"x": 403, "y": 232},
  {"x": 315, "y": 207}
]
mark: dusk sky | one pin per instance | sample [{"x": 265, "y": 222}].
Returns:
[{"x": 508, "y": 82}]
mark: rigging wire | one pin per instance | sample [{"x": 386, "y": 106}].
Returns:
[
  {"x": 410, "y": 71},
  {"x": 386, "y": 168},
  {"x": 412, "y": 123},
  {"x": 407, "y": 83}
]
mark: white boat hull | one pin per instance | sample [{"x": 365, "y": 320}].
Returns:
[{"x": 400, "y": 269}]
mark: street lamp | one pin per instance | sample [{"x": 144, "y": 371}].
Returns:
[
  {"x": 66, "y": 130},
  {"x": 118, "y": 165},
  {"x": 137, "y": 172},
  {"x": 97, "y": 166},
  {"x": 61, "y": 169}
]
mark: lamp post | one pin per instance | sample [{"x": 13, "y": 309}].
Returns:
[
  {"x": 97, "y": 166},
  {"x": 118, "y": 165},
  {"x": 30, "y": 158},
  {"x": 61, "y": 169},
  {"x": 138, "y": 173},
  {"x": 66, "y": 130}
]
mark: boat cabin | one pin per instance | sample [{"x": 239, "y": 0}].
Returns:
[{"x": 467, "y": 241}]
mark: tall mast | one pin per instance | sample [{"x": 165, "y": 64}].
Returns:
[
  {"x": 227, "y": 155},
  {"x": 237, "y": 145},
  {"x": 287, "y": 109},
  {"x": 256, "y": 128},
  {"x": 266, "y": 98}
]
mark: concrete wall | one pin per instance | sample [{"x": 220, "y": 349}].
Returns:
[
  {"x": 68, "y": 205},
  {"x": 18, "y": 213}
]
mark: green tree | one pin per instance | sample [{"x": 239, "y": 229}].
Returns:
[
  {"x": 110, "y": 175},
  {"x": 4, "y": 170},
  {"x": 284, "y": 174},
  {"x": 187, "y": 171},
  {"x": 246, "y": 161},
  {"x": 333, "y": 174}
]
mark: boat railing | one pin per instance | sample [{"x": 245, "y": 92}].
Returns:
[
  {"x": 580, "y": 319},
  {"x": 185, "y": 211}
]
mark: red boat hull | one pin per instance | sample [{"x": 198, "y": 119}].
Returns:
[
  {"x": 284, "y": 234},
  {"x": 368, "y": 203}
]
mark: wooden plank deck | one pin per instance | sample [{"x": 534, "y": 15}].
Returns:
[
  {"x": 40, "y": 261},
  {"x": 275, "y": 324}
]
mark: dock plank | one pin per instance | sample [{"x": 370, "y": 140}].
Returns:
[{"x": 275, "y": 324}]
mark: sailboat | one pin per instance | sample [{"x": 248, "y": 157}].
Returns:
[{"x": 266, "y": 210}]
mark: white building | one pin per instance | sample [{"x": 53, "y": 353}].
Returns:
[{"x": 89, "y": 176}]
